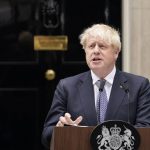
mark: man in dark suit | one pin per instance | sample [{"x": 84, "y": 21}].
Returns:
[{"x": 75, "y": 99}]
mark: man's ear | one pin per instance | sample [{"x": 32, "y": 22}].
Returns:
[{"x": 117, "y": 53}]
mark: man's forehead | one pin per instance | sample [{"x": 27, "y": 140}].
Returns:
[{"x": 97, "y": 39}]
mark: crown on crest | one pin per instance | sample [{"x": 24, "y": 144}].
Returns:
[{"x": 115, "y": 130}]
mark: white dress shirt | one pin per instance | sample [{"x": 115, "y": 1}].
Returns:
[{"x": 108, "y": 85}]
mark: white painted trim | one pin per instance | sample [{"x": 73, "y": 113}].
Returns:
[{"x": 126, "y": 35}]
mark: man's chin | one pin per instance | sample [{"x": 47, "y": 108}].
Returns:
[{"x": 97, "y": 69}]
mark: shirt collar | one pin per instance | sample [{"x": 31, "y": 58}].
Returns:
[{"x": 109, "y": 78}]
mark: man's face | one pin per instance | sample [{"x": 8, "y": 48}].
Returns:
[{"x": 100, "y": 56}]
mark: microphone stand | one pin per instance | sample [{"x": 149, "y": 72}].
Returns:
[{"x": 126, "y": 89}]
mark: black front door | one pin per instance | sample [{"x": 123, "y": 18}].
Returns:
[{"x": 26, "y": 87}]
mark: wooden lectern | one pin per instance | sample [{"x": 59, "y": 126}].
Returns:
[{"x": 78, "y": 138}]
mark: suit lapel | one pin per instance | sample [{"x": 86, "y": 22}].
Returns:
[
  {"x": 87, "y": 99},
  {"x": 116, "y": 96}
]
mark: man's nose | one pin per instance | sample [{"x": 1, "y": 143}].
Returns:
[{"x": 96, "y": 49}]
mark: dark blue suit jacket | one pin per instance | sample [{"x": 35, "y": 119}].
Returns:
[{"x": 75, "y": 95}]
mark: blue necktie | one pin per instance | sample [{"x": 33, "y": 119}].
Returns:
[{"x": 102, "y": 102}]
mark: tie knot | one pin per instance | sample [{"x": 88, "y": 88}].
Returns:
[{"x": 102, "y": 83}]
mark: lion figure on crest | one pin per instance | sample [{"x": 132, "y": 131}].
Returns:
[{"x": 103, "y": 139}]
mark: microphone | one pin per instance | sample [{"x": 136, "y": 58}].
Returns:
[
  {"x": 102, "y": 83},
  {"x": 126, "y": 89}
]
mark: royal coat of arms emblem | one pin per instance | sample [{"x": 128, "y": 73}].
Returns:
[{"x": 115, "y": 135}]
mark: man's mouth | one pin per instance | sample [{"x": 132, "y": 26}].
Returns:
[{"x": 96, "y": 59}]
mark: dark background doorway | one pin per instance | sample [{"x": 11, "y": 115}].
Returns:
[{"x": 25, "y": 93}]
